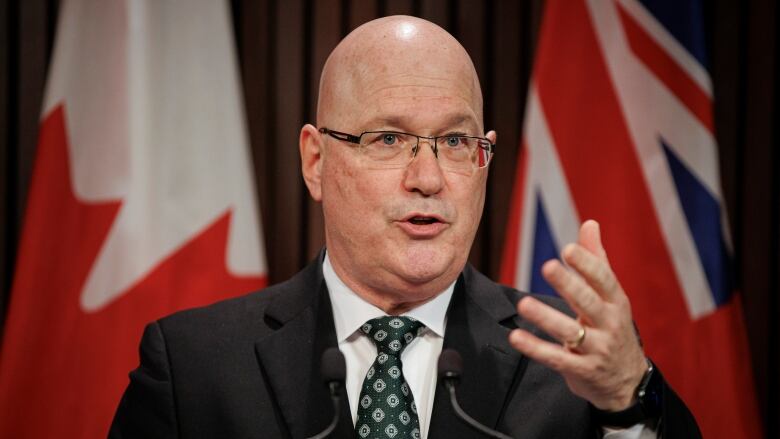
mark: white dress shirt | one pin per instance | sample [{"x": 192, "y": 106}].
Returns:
[{"x": 420, "y": 358}]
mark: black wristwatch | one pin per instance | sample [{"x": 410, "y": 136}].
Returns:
[{"x": 648, "y": 405}]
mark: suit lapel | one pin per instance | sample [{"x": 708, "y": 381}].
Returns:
[
  {"x": 290, "y": 356},
  {"x": 479, "y": 319},
  {"x": 490, "y": 365}
]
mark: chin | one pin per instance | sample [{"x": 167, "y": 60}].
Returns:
[
  {"x": 423, "y": 266},
  {"x": 422, "y": 276}
]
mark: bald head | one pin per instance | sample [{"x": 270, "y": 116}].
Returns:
[{"x": 394, "y": 58}]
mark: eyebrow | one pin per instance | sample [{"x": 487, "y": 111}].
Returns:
[{"x": 402, "y": 121}]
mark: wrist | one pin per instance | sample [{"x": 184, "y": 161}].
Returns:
[
  {"x": 645, "y": 403},
  {"x": 627, "y": 395}
]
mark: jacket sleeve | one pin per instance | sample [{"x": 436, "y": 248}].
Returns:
[
  {"x": 676, "y": 420},
  {"x": 147, "y": 408}
]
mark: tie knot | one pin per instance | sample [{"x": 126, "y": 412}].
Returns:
[{"x": 391, "y": 334}]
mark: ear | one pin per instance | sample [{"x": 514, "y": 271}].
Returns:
[
  {"x": 310, "y": 145},
  {"x": 492, "y": 136}
]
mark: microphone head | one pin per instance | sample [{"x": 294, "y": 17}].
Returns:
[
  {"x": 334, "y": 366},
  {"x": 450, "y": 364}
]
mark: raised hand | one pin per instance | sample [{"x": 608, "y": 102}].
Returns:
[{"x": 599, "y": 354}]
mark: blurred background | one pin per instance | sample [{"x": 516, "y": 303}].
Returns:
[{"x": 281, "y": 47}]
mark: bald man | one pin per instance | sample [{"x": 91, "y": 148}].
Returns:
[{"x": 399, "y": 160}]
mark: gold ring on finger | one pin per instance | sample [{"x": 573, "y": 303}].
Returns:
[{"x": 577, "y": 342}]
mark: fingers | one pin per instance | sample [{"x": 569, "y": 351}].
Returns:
[
  {"x": 605, "y": 368},
  {"x": 595, "y": 270},
  {"x": 550, "y": 320},
  {"x": 596, "y": 282},
  {"x": 578, "y": 294},
  {"x": 590, "y": 238},
  {"x": 551, "y": 355}
]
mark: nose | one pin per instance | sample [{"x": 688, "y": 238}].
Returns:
[{"x": 424, "y": 175}]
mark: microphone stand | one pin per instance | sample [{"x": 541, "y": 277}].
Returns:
[
  {"x": 450, "y": 367},
  {"x": 334, "y": 372},
  {"x": 473, "y": 423},
  {"x": 336, "y": 400}
]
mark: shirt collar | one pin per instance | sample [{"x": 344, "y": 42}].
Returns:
[{"x": 350, "y": 310}]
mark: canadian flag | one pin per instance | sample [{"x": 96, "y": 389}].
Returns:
[{"x": 141, "y": 203}]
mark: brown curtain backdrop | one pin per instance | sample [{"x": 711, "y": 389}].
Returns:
[{"x": 282, "y": 45}]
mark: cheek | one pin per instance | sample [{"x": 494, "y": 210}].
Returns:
[
  {"x": 351, "y": 200},
  {"x": 338, "y": 194},
  {"x": 469, "y": 199}
]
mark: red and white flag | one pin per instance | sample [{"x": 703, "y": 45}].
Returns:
[
  {"x": 141, "y": 203},
  {"x": 619, "y": 128}
]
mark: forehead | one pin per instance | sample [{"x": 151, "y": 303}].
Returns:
[
  {"x": 427, "y": 99},
  {"x": 403, "y": 70}
]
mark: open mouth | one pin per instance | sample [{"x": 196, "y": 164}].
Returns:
[
  {"x": 420, "y": 225},
  {"x": 423, "y": 220}
]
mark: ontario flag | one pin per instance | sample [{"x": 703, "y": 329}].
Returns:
[
  {"x": 619, "y": 128},
  {"x": 141, "y": 203}
]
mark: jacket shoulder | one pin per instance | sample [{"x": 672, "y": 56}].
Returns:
[
  {"x": 484, "y": 286},
  {"x": 237, "y": 311},
  {"x": 247, "y": 315}
]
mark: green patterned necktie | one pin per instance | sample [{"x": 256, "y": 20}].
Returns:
[{"x": 386, "y": 408}]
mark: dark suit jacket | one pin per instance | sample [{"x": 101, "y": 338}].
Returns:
[{"x": 249, "y": 368}]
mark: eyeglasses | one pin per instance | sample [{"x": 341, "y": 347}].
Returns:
[{"x": 388, "y": 149}]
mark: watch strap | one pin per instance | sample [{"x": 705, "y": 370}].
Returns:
[{"x": 647, "y": 405}]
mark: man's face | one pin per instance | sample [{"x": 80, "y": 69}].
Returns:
[{"x": 403, "y": 233}]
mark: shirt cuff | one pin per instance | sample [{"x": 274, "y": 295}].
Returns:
[{"x": 637, "y": 431}]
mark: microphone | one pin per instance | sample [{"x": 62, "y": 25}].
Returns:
[
  {"x": 334, "y": 373},
  {"x": 450, "y": 368}
]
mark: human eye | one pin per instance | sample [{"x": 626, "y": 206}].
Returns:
[
  {"x": 456, "y": 141},
  {"x": 389, "y": 138},
  {"x": 386, "y": 138}
]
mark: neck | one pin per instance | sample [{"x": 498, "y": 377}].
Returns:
[
  {"x": 391, "y": 307},
  {"x": 392, "y": 299}
]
